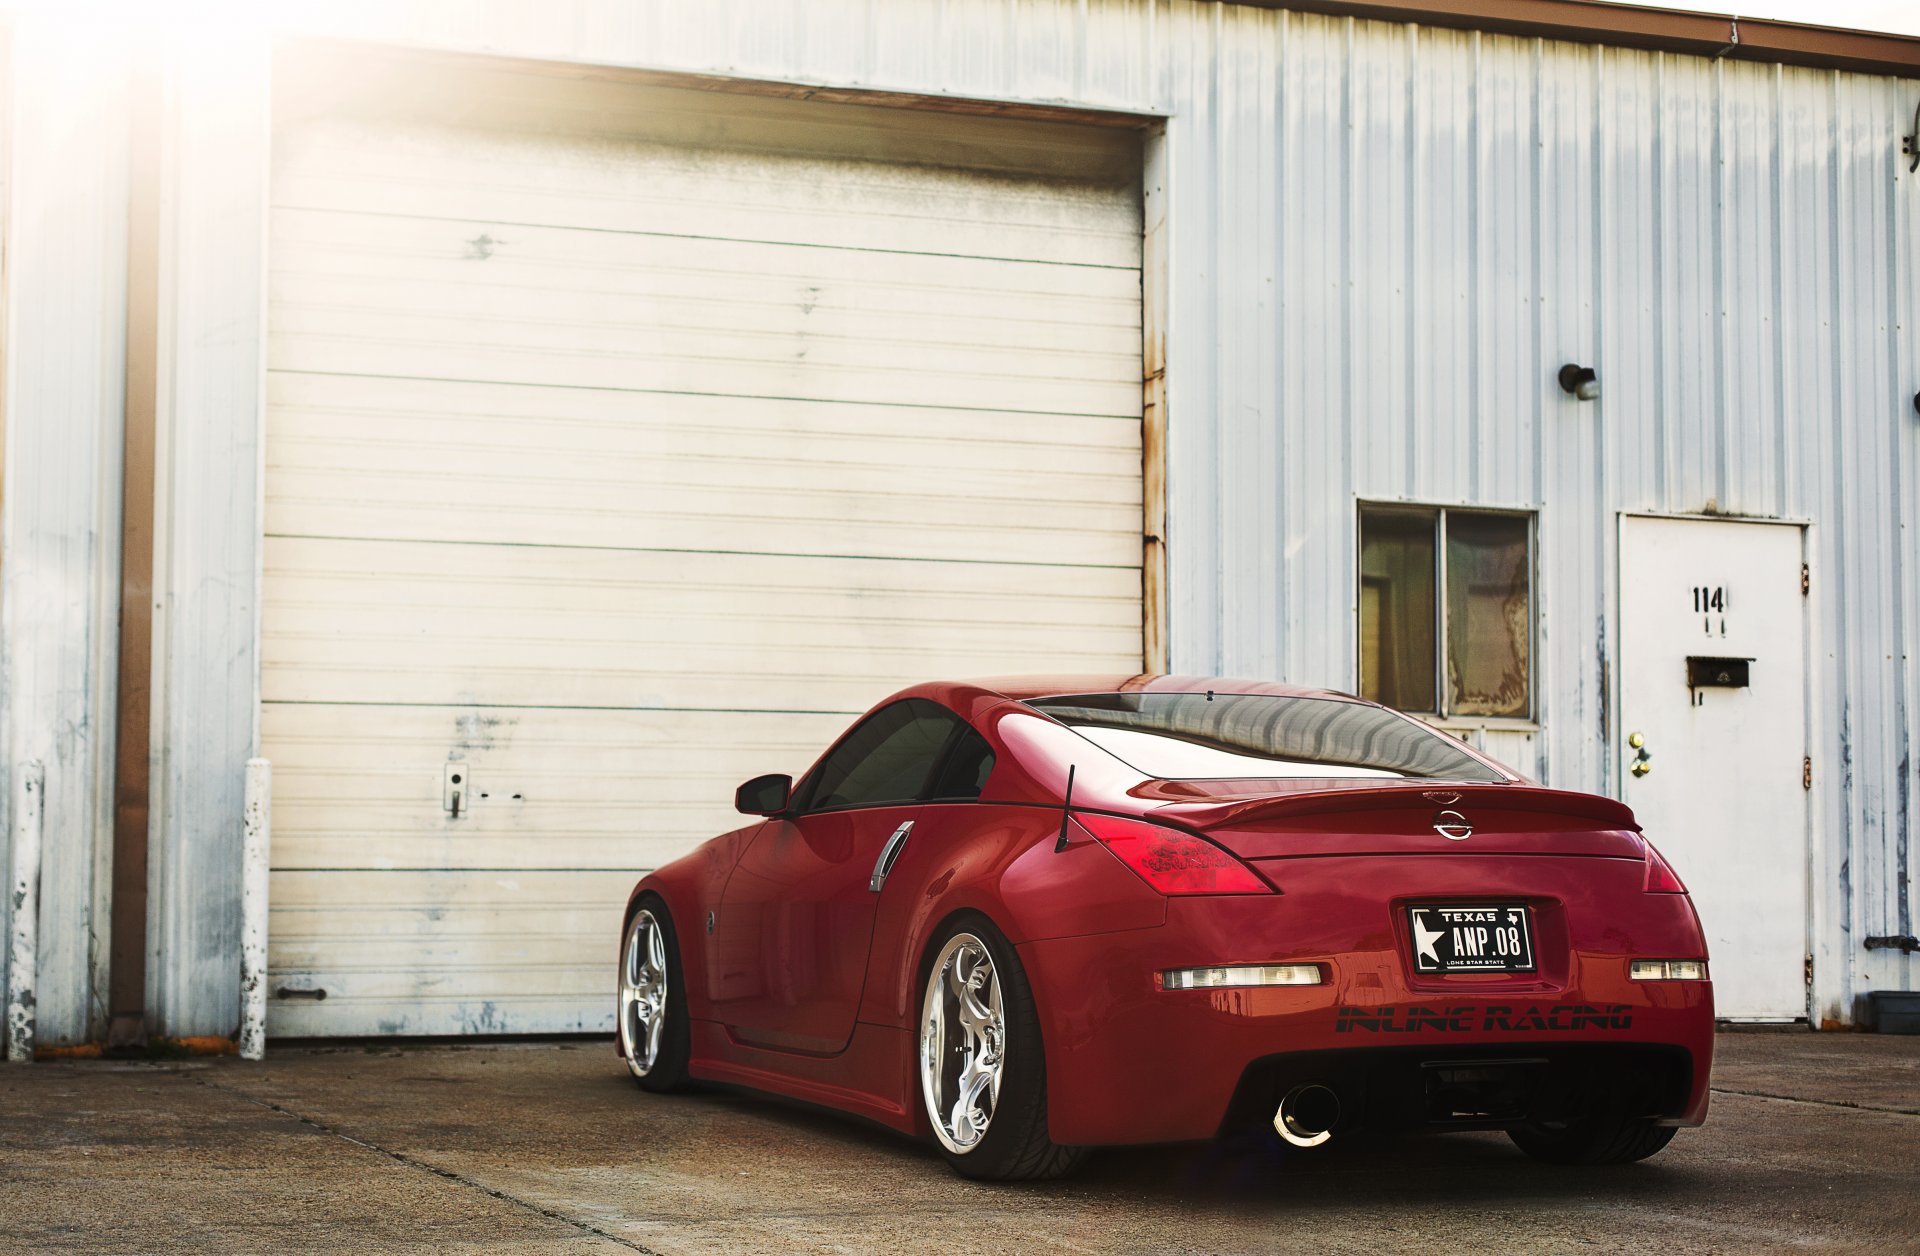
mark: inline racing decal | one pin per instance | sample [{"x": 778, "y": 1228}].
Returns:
[{"x": 1487, "y": 1018}]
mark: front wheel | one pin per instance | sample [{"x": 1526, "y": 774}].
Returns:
[
  {"x": 983, "y": 1073},
  {"x": 654, "y": 1034}
]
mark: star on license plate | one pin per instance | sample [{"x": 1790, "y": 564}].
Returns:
[{"x": 1471, "y": 938}]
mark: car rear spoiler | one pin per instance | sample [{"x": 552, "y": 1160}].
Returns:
[{"x": 1601, "y": 812}]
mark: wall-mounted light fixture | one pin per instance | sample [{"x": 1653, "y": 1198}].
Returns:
[{"x": 1580, "y": 381}]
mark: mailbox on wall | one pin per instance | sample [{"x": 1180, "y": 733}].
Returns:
[{"x": 1716, "y": 673}]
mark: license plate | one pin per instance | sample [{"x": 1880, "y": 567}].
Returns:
[{"x": 1471, "y": 938}]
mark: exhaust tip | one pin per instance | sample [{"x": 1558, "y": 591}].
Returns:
[{"x": 1307, "y": 1115}]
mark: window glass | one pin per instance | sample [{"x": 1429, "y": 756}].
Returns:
[
  {"x": 1489, "y": 614},
  {"x": 887, "y": 759},
  {"x": 1446, "y": 610},
  {"x": 1397, "y": 608},
  {"x": 1193, "y": 736},
  {"x": 964, "y": 774}
]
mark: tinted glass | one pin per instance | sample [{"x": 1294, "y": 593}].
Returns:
[
  {"x": 1190, "y": 736},
  {"x": 1489, "y": 614},
  {"x": 964, "y": 774},
  {"x": 889, "y": 758},
  {"x": 1397, "y": 608}
]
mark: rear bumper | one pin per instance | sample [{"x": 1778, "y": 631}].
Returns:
[{"x": 1128, "y": 1062}]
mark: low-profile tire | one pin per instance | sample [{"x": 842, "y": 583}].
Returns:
[
  {"x": 651, "y": 1013},
  {"x": 1596, "y": 1140},
  {"x": 980, "y": 1061}
]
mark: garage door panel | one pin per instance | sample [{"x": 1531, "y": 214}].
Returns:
[
  {"x": 422, "y": 1013},
  {"x": 452, "y": 624},
  {"x": 359, "y": 423},
  {"x": 668, "y": 359},
  {"x": 501, "y": 953},
  {"x": 363, "y": 786},
  {"x": 623, "y": 444},
  {"x": 844, "y": 319},
  {"x": 701, "y": 316},
  {"x": 609, "y": 185},
  {"x": 461, "y": 462},
  {"x": 716, "y": 275}
]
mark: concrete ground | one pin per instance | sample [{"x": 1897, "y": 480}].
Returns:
[{"x": 1814, "y": 1142}]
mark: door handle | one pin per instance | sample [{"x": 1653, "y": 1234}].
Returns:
[
  {"x": 1642, "y": 757},
  {"x": 453, "y": 788},
  {"x": 888, "y": 853}
]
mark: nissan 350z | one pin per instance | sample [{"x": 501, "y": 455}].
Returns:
[{"x": 1031, "y": 917}]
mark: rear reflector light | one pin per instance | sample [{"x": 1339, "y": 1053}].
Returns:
[
  {"x": 1661, "y": 878},
  {"x": 1668, "y": 970},
  {"x": 1257, "y": 975},
  {"x": 1170, "y": 861}
]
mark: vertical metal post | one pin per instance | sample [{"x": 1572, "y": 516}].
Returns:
[
  {"x": 257, "y": 844},
  {"x": 1155, "y": 289},
  {"x": 23, "y": 889}
]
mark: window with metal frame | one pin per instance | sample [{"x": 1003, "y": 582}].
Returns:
[{"x": 1447, "y": 610}]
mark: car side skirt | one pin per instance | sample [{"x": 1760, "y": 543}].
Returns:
[{"x": 873, "y": 1078}]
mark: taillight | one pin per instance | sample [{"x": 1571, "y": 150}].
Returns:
[
  {"x": 1170, "y": 861},
  {"x": 1661, "y": 878}
]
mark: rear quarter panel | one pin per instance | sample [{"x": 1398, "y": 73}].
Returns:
[{"x": 998, "y": 860}]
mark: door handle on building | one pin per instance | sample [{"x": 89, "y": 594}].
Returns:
[
  {"x": 453, "y": 789},
  {"x": 1642, "y": 759}
]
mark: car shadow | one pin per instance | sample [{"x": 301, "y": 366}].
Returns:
[
  {"x": 1256, "y": 1170},
  {"x": 1444, "y": 1170}
]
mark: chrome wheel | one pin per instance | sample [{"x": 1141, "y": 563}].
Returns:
[
  {"x": 643, "y": 992},
  {"x": 963, "y": 1042}
]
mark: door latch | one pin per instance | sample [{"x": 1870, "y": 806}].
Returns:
[
  {"x": 1642, "y": 759},
  {"x": 888, "y": 853},
  {"x": 453, "y": 789}
]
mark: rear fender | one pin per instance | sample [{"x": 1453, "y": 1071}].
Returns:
[{"x": 999, "y": 861}]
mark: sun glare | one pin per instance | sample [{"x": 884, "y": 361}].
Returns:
[{"x": 147, "y": 19}]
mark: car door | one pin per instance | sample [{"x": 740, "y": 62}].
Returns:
[{"x": 796, "y": 919}]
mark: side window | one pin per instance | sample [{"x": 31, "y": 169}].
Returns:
[
  {"x": 888, "y": 759},
  {"x": 964, "y": 774}
]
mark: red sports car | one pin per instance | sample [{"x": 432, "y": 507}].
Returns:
[{"x": 1034, "y": 916}]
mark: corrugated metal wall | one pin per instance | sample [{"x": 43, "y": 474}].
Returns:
[
  {"x": 206, "y": 566},
  {"x": 1383, "y": 240},
  {"x": 1453, "y": 216},
  {"x": 65, "y": 312},
  {"x": 1409, "y": 230}
]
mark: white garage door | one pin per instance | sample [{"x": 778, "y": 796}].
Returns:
[{"x": 617, "y": 458}]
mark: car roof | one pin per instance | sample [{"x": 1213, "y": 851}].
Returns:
[{"x": 1023, "y": 688}]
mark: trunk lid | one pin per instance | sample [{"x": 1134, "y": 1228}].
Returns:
[{"x": 1257, "y": 820}]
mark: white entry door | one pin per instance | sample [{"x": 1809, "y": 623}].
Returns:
[{"x": 1713, "y": 690}]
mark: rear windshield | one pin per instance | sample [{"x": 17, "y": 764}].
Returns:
[{"x": 1199, "y": 736}]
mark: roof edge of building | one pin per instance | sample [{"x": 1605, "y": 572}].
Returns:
[{"x": 1712, "y": 35}]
